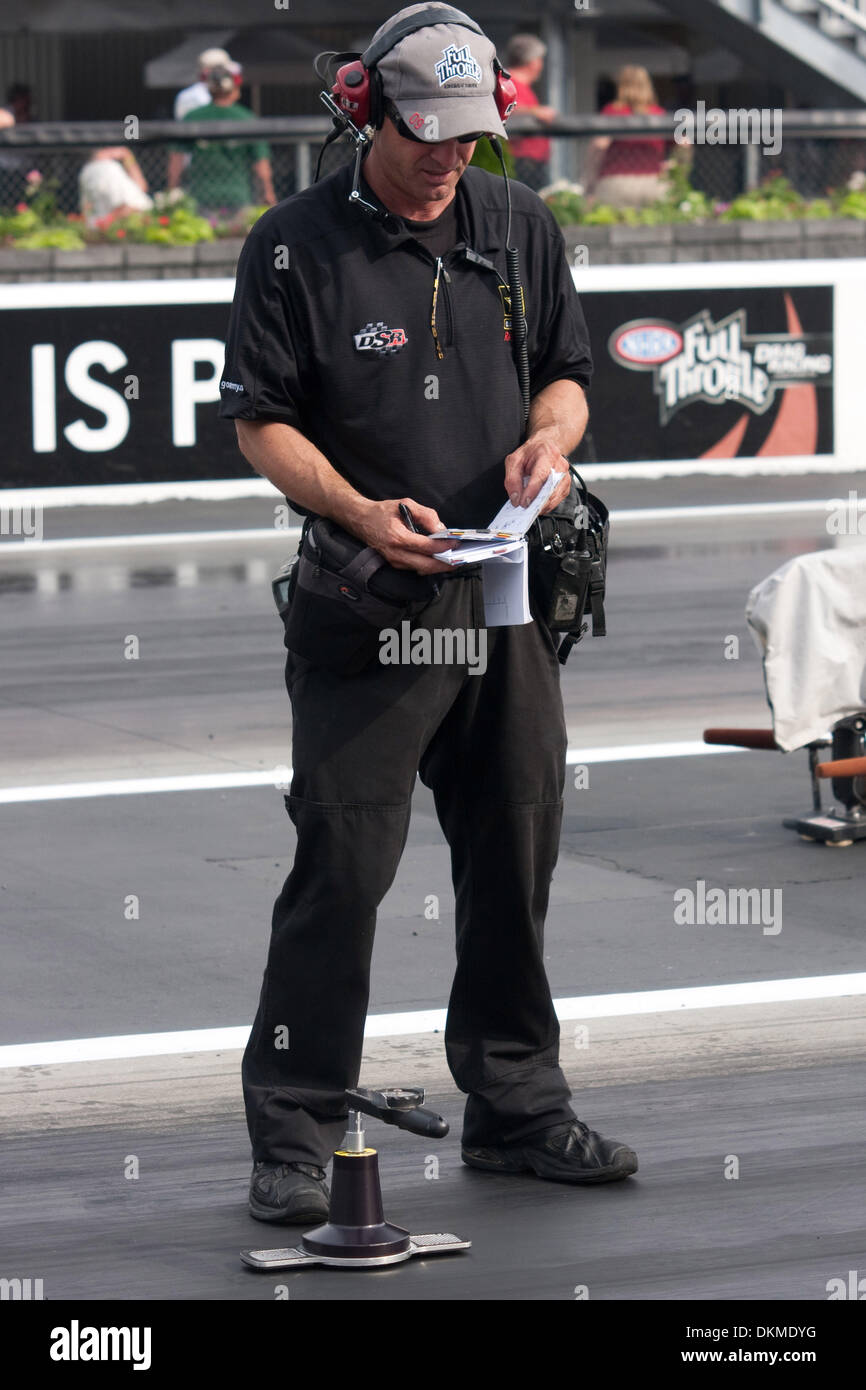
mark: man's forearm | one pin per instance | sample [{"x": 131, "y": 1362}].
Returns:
[
  {"x": 560, "y": 414},
  {"x": 299, "y": 470},
  {"x": 175, "y": 168}
]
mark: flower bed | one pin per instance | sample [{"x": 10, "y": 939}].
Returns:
[
  {"x": 776, "y": 200},
  {"x": 36, "y": 224},
  {"x": 774, "y": 222}
]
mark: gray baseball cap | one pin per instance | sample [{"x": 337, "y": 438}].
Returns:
[{"x": 441, "y": 78}]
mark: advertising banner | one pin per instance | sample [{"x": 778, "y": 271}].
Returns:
[
  {"x": 689, "y": 374},
  {"x": 116, "y": 382}
]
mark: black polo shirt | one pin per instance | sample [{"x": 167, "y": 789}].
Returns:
[{"x": 330, "y": 332}]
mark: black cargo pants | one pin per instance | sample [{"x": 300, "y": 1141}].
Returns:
[{"x": 492, "y": 749}]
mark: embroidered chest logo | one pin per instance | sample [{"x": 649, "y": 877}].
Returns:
[
  {"x": 378, "y": 338},
  {"x": 457, "y": 62}
]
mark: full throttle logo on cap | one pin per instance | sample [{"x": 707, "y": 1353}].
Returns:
[
  {"x": 457, "y": 62},
  {"x": 378, "y": 338}
]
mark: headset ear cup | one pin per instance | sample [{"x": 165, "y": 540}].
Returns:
[
  {"x": 505, "y": 92},
  {"x": 351, "y": 92}
]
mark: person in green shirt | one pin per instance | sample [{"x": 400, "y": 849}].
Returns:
[{"x": 219, "y": 170}]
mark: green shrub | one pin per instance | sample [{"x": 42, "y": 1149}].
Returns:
[{"x": 58, "y": 238}]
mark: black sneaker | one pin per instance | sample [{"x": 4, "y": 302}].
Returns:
[
  {"x": 289, "y": 1192},
  {"x": 578, "y": 1155}
]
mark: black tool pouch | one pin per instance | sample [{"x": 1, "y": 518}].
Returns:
[
  {"x": 568, "y": 566},
  {"x": 337, "y": 595}
]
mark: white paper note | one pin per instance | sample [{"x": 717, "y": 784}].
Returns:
[{"x": 506, "y": 589}]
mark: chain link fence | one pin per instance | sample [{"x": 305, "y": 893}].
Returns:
[{"x": 83, "y": 170}]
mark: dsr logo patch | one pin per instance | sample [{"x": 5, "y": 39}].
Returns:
[{"x": 378, "y": 338}]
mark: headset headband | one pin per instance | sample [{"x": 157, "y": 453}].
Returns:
[{"x": 424, "y": 19}]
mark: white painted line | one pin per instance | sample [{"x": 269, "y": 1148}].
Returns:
[
  {"x": 269, "y": 533},
  {"x": 723, "y": 509},
  {"x": 145, "y": 786},
  {"x": 279, "y": 777},
  {"x": 660, "y": 1001},
  {"x": 637, "y": 752},
  {"x": 430, "y": 1021},
  {"x": 161, "y": 538},
  {"x": 232, "y": 489},
  {"x": 769, "y": 467}
]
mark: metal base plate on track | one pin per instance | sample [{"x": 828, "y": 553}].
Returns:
[
  {"x": 833, "y": 830},
  {"x": 295, "y": 1257}
]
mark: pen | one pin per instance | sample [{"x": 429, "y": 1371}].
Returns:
[{"x": 409, "y": 521}]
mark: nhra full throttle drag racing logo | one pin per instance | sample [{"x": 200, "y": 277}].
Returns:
[
  {"x": 719, "y": 362},
  {"x": 457, "y": 62},
  {"x": 377, "y": 338}
]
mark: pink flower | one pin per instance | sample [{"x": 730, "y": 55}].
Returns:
[{"x": 34, "y": 176}]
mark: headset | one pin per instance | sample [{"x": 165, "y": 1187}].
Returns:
[
  {"x": 356, "y": 100},
  {"x": 357, "y": 88}
]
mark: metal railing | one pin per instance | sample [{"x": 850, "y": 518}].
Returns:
[
  {"x": 816, "y": 150},
  {"x": 853, "y": 12}
]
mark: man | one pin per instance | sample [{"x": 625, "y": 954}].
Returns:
[
  {"x": 524, "y": 58},
  {"x": 197, "y": 94},
  {"x": 434, "y": 420},
  {"x": 219, "y": 170}
]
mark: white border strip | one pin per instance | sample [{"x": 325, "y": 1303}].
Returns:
[
  {"x": 724, "y": 275},
  {"x": 430, "y": 1021},
  {"x": 662, "y": 275},
  {"x": 90, "y": 294},
  {"x": 279, "y": 777}
]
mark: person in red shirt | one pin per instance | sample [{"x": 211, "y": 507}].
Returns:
[
  {"x": 524, "y": 59},
  {"x": 629, "y": 172}
]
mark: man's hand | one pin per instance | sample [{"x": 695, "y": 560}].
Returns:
[
  {"x": 381, "y": 526},
  {"x": 533, "y": 461},
  {"x": 557, "y": 420}
]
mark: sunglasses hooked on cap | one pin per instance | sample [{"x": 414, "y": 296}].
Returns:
[{"x": 407, "y": 133}]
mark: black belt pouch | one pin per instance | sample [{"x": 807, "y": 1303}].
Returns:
[{"x": 342, "y": 595}]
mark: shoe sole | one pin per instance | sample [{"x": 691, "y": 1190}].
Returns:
[
  {"x": 288, "y": 1218},
  {"x": 515, "y": 1167}
]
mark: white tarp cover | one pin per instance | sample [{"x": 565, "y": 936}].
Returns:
[{"x": 809, "y": 621}]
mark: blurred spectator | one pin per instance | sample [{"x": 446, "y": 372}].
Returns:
[
  {"x": 191, "y": 98},
  {"x": 19, "y": 100},
  {"x": 524, "y": 59},
  {"x": 219, "y": 170},
  {"x": 17, "y": 111},
  {"x": 628, "y": 173},
  {"x": 112, "y": 183}
]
